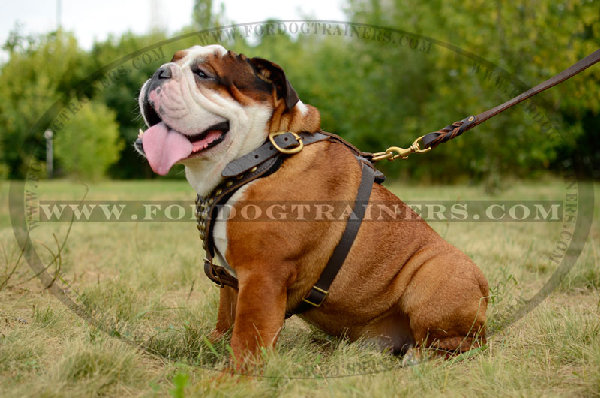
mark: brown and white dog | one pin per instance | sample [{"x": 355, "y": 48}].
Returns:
[{"x": 401, "y": 284}]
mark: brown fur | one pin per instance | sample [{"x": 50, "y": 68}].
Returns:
[
  {"x": 294, "y": 120},
  {"x": 178, "y": 55},
  {"x": 401, "y": 285},
  {"x": 248, "y": 81}
]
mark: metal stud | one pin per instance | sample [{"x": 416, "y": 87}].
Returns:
[
  {"x": 252, "y": 170},
  {"x": 229, "y": 183}
]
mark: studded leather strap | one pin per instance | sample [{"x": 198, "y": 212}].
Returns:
[
  {"x": 262, "y": 162},
  {"x": 207, "y": 211},
  {"x": 257, "y": 164}
]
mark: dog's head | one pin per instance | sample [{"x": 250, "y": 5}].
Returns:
[{"x": 209, "y": 106}]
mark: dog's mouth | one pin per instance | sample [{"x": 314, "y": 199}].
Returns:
[{"x": 164, "y": 146}]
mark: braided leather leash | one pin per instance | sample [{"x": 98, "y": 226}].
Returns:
[{"x": 449, "y": 132}]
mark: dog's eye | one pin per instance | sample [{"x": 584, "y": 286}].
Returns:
[{"x": 200, "y": 73}]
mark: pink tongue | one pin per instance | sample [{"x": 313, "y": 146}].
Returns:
[{"x": 164, "y": 147}]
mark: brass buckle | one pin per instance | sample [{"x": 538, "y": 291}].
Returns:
[
  {"x": 318, "y": 289},
  {"x": 288, "y": 151}
]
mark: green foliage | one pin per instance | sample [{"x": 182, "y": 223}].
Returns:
[
  {"x": 202, "y": 13},
  {"x": 376, "y": 92},
  {"x": 39, "y": 74},
  {"x": 524, "y": 44},
  {"x": 118, "y": 89},
  {"x": 180, "y": 380},
  {"x": 89, "y": 142}
]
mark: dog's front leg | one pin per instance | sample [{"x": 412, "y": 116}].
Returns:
[
  {"x": 260, "y": 314},
  {"x": 226, "y": 313}
]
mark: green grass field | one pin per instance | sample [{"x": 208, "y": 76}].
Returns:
[{"x": 144, "y": 282}]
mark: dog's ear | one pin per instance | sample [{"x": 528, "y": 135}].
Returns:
[{"x": 272, "y": 73}]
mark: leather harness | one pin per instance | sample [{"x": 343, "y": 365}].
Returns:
[
  {"x": 267, "y": 159},
  {"x": 264, "y": 161}
]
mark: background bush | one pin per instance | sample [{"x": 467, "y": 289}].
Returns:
[{"x": 89, "y": 142}]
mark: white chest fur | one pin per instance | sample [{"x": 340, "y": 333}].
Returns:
[{"x": 220, "y": 228}]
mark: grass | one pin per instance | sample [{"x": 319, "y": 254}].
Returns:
[{"x": 144, "y": 282}]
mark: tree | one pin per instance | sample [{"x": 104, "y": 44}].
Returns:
[
  {"x": 89, "y": 142},
  {"x": 41, "y": 71},
  {"x": 118, "y": 88},
  {"x": 205, "y": 17},
  {"x": 526, "y": 43},
  {"x": 202, "y": 13}
]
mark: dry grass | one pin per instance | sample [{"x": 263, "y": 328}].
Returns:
[{"x": 145, "y": 283}]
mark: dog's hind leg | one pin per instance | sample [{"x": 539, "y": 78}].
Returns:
[
  {"x": 390, "y": 333},
  {"x": 449, "y": 314}
]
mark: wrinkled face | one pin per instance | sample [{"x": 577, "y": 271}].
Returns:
[
  {"x": 206, "y": 102},
  {"x": 209, "y": 106}
]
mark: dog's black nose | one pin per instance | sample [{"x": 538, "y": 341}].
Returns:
[{"x": 164, "y": 73}]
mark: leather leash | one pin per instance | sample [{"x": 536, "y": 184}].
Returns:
[{"x": 455, "y": 129}]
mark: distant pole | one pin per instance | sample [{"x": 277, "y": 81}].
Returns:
[
  {"x": 58, "y": 13},
  {"x": 49, "y": 153}
]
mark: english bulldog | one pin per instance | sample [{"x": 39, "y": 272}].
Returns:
[{"x": 401, "y": 285}]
